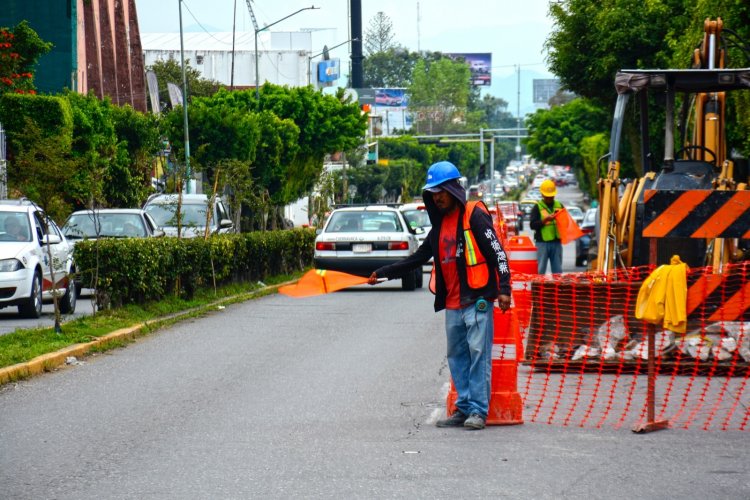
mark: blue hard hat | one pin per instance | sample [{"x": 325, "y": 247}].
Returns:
[{"x": 440, "y": 172}]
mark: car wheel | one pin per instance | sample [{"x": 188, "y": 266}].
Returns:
[
  {"x": 32, "y": 306},
  {"x": 70, "y": 299},
  {"x": 409, "y": 282},
  {"x": 420, "y": 277}
]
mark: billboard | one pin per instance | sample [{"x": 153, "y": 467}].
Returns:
[
  {"x": 389, "y": 112},
  {"x": 545, "y": 89},
  {"x": 480, "y": 64},
  {"x": 392, "y": 98},
  {"x": 329, "y": 71}
]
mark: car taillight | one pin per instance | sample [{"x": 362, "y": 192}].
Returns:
[
  {"x": 587, "y": 230},
  {"x": 398, "y": 245},
  {"x": 325, "y": 245}
]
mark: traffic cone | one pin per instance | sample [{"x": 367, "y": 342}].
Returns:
[{"x": 505, "y": 406}]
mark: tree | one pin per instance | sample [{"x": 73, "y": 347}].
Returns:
[
  {"x": 439, "y": 95},
  {"x": 20, "y": 49},
  {"x": 282, "y": 142},
  {"x": 42, "y": 170},
  {"x": 555, "y": 135},
  {"x": 593, "y": 39},
  {"x": 170, "y": 71},
  {"x": 494, "y": 112},
  {"x": 379, "y": 35},
  {"x": 394, "y": 67}
]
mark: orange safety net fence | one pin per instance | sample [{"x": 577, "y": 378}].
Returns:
[{"x": 585, "y": 353}]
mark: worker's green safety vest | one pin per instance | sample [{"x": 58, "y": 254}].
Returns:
[{"x": 549, "y": 231}]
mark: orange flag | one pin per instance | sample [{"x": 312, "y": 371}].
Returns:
[
  {"x": 567, "y": 227},
  {"x": 320, "y": 281}
]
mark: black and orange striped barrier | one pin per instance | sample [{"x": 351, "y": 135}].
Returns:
[{"x": 696, "y": 214}]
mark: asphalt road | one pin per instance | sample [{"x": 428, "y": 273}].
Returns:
[
  {"x": 10, "y": 321},
  {"x": 328, "y": 397}
]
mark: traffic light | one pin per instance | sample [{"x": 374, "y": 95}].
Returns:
[{"x": 482, "y": 171}]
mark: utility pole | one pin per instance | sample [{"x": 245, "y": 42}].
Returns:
[
  {"x": 184, "y": 106},
  {"x": 518, "y": 115}
]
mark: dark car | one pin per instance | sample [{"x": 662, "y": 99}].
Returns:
[{"x": 590, "y": 229}]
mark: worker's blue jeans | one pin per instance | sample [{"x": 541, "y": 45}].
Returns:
[
  {"x": 552, "y": 251},
  {"x": 469, "y": 334}
]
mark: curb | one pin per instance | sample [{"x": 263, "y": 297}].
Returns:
[{"x": 50, "y": 361}]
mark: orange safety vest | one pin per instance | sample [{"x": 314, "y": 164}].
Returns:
[{"x": 477, "y": 273}]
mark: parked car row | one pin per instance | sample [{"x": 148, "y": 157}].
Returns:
[{"x": 36, "y": 256}]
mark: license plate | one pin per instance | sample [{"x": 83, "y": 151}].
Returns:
[{"x": 361, "y": 248}]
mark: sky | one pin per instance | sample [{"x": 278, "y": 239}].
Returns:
[{"x": 514, "y": 32}]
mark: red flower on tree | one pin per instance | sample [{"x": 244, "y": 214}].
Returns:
[{"x": 15, "y": 61}]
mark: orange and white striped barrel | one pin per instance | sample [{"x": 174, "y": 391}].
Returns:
[{"x": 522, "y": 262}]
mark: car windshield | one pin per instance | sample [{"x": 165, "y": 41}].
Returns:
[
  {"x": 365, "y": 221},
  {"x": 15, "y": 226},
  {"x": 110, "y": 225},
  {"x": 575, "y": 211},
  {"x": 193, "y": 215},
  {"x": 590, "y": 218},
  {"x": 417, "y": 218}
]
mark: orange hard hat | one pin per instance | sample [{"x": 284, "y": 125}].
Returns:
[{"x": 548, "y": 188}]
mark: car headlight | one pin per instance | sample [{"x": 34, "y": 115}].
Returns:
[{"x": 10, "y": 265}]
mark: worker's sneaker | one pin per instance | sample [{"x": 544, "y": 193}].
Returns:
[
  {"x": 455, "y": 420},
  {"x": 475, "y": 422}
]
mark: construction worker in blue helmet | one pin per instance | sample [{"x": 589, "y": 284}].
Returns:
[
  {"x": 546, "y": 235},
  {"x": 470, "y": 273}
]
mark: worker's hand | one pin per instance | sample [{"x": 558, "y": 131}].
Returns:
[
  {"x": 373, "y": 279},
  {"x": 504, "y": 302}
]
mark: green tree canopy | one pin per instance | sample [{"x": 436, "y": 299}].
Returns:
[
  {"x": 394, "y": 67},
  {"x": 439, "y": 95},
  {"x": 283, "y": 141},
  {"x": 555, "y": 134},
  {"x": 20, "y": 49}
]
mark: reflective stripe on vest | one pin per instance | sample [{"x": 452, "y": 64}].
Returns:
[
  {"x": 477, "y": 273},
  {"x": 549, "y": 232}
]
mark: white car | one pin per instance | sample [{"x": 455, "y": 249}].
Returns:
[
  {"x": 110, "y": 223},
  {"x": 416, "y": 215},
  {"x": 576, "y": 213},
  {"x": 359, "y": 240},
  {"x": 193, "y": 210},
  {"x": 27, "y": 237}
]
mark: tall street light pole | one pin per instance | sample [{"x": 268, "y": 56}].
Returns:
[
  {"x": 258, "y": 30},
  {"x": 184, "y": 104},
  {"x": 309, "y": 59}
]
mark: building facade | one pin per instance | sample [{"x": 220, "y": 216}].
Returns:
[{"x": 97, "y": 46}]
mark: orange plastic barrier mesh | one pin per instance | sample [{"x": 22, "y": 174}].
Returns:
[{"x": 586, "y": 353}]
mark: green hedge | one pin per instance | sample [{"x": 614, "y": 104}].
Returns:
[
  {"x": 52, "y": 114},
  {"x": 139, "y": 270}
]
